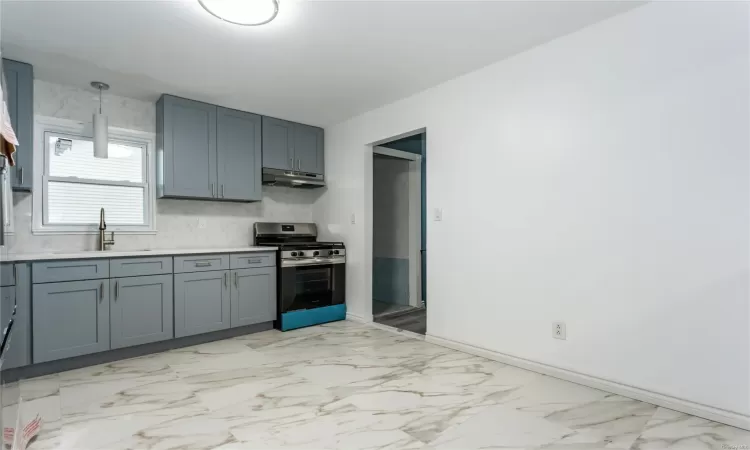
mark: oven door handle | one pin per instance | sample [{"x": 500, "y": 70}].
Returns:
[{"x": 312, "y": 262}]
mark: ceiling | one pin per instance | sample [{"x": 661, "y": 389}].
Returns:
[{"x": 319, "y": 62}]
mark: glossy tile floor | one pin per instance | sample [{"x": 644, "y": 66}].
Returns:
[
  {"x": 413, "y": 319},
  {"x": 348, "y": 386}
]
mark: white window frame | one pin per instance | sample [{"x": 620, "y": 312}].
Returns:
[{"x": 72, "y": 129}]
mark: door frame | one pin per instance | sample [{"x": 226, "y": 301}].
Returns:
[{"x": 415, "y": 219}]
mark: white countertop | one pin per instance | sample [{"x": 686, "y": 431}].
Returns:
[{"x": 14, "y": 257}]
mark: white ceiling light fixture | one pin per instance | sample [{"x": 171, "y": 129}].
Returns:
[
  {"x": 242, "y": 12},
  {"x": 101, "y": 138}
]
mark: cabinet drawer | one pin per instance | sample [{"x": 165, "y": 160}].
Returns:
[
  {"x": 7, "y": 275},
  {"x": 86, "y": 269},
  {"x": 200, "y": 263},
  {"x": 135, "y": 267},
  {"x": 250, "y": 260}
]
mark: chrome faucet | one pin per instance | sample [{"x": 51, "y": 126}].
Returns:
[{"x": 103, "y": 242}]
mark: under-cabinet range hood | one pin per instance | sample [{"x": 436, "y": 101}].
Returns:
[{"x": 294, "y": 179}]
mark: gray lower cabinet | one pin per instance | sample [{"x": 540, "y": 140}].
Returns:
[
  {"x": 141, "y": 310},
  {"x": 7, "y": 303},
  {"x": 18, "y": 296},
  {"x": 19, "y": 79},
  {"x": 253, "y": 296},
  {"x": 201, "y": 302},
  {"x": 70, "y": 319}
]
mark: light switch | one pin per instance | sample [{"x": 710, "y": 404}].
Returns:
[
  {"x": 438, "y": 214},
  {"x": 354, "y": 219}
]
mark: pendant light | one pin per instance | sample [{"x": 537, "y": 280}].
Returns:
[{"x": 101, "y": 138}]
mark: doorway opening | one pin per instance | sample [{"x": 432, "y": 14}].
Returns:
[{"x": 398, "y": 234}]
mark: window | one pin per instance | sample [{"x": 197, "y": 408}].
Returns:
[{"x": 76, "y": 185}]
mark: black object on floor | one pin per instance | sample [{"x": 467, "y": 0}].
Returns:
[{"x": 414, "y": 321}]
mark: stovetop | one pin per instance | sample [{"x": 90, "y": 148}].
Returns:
[{"x": 303, "y": 245}]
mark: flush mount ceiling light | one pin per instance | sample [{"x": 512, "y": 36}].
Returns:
[{"x": 242, "y": 12}]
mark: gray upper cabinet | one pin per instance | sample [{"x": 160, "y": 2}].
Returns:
[
  {"x": 278, "y": 144},
  {"x": 201, "y": 302},
  {"x": 141, "y": 310},
  {"x": 19, "y": 79},
  {"x": 186, "y": 148},
  {"x": 70, "y": 319},
  {"x": 253, "y": 296},
  {"x": 239, "y": 155},
  {"x": 308, "y": 148},
  {"x": 292, "y": 146}
]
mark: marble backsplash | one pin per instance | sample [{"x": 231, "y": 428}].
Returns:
[{"x": 177, "y": 223}]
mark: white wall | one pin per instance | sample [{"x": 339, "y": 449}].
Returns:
[
  {"x": 600, "y": 179},
  {"x": 390, "y": 208},
  {"x": 226, "y": 224}
]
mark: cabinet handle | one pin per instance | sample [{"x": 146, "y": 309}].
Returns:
[
  {"x": 299, "y": 166},
  {"x": 20, "y": 174},
  {"x": 101, "y": 291},
  {"x": 14, "y": 274},
  {"x": 222, "y": 191},
  {"x": 235, "y": 281},
  {"x": 291, "y": 161},
  {"x": 203, "y": 264},
  {"x": 253, "y": 261},
  {"x": 212, "y": 189},
  {"x": 226, "y": 279},
  {"x": 117, "y": 289}
]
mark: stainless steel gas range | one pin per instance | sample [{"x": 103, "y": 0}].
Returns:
[{"x": 311, "y": 284}]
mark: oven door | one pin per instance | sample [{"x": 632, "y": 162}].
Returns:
[{"x": 311, "y": 283}]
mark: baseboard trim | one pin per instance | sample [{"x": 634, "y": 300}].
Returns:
[
  {"x": 666, "y": 401},
  {"x": 357, "y": 318}
]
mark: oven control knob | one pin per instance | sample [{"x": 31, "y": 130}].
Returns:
[
  {"x": 335, "y": 252},
  {"x": 301, "y": 254},
  {"x": 294, "y": 253},
  {"x": 316, "y": 253},
  {"x": 330, "y": 252}
]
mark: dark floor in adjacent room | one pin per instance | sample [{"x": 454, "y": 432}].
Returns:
[{"x": 414, "y": 320}]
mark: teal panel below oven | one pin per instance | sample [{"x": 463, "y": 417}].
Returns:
[{"x": 307, "y": 317}]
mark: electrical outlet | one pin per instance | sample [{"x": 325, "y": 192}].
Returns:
[
  {"x": 559, "y": 331},
  {"x": 201, "y": 223},
  {"x": 438, "y": 214}
]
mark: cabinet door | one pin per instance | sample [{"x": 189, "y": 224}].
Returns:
[
  {"x": 201, "y": 302},
  {"x": 19, "y": 79},
  {"x": 70, "y": 319},
  {"x": 7, "y": 304},
  {"x": 186, "y": 130},
  {"x": 278, "y": 144},
  {"x": 253, "y": 296},
  {"x": 239, "y": 155},
  {"x": 141, "y": 310},
  {"x": 308, "y": 148}
]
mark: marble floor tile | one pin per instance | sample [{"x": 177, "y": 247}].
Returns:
[
  {"x": 673, "y": 430},
  {"x": 507, "y": 428},
  {"x": 342, "y": 385}
]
